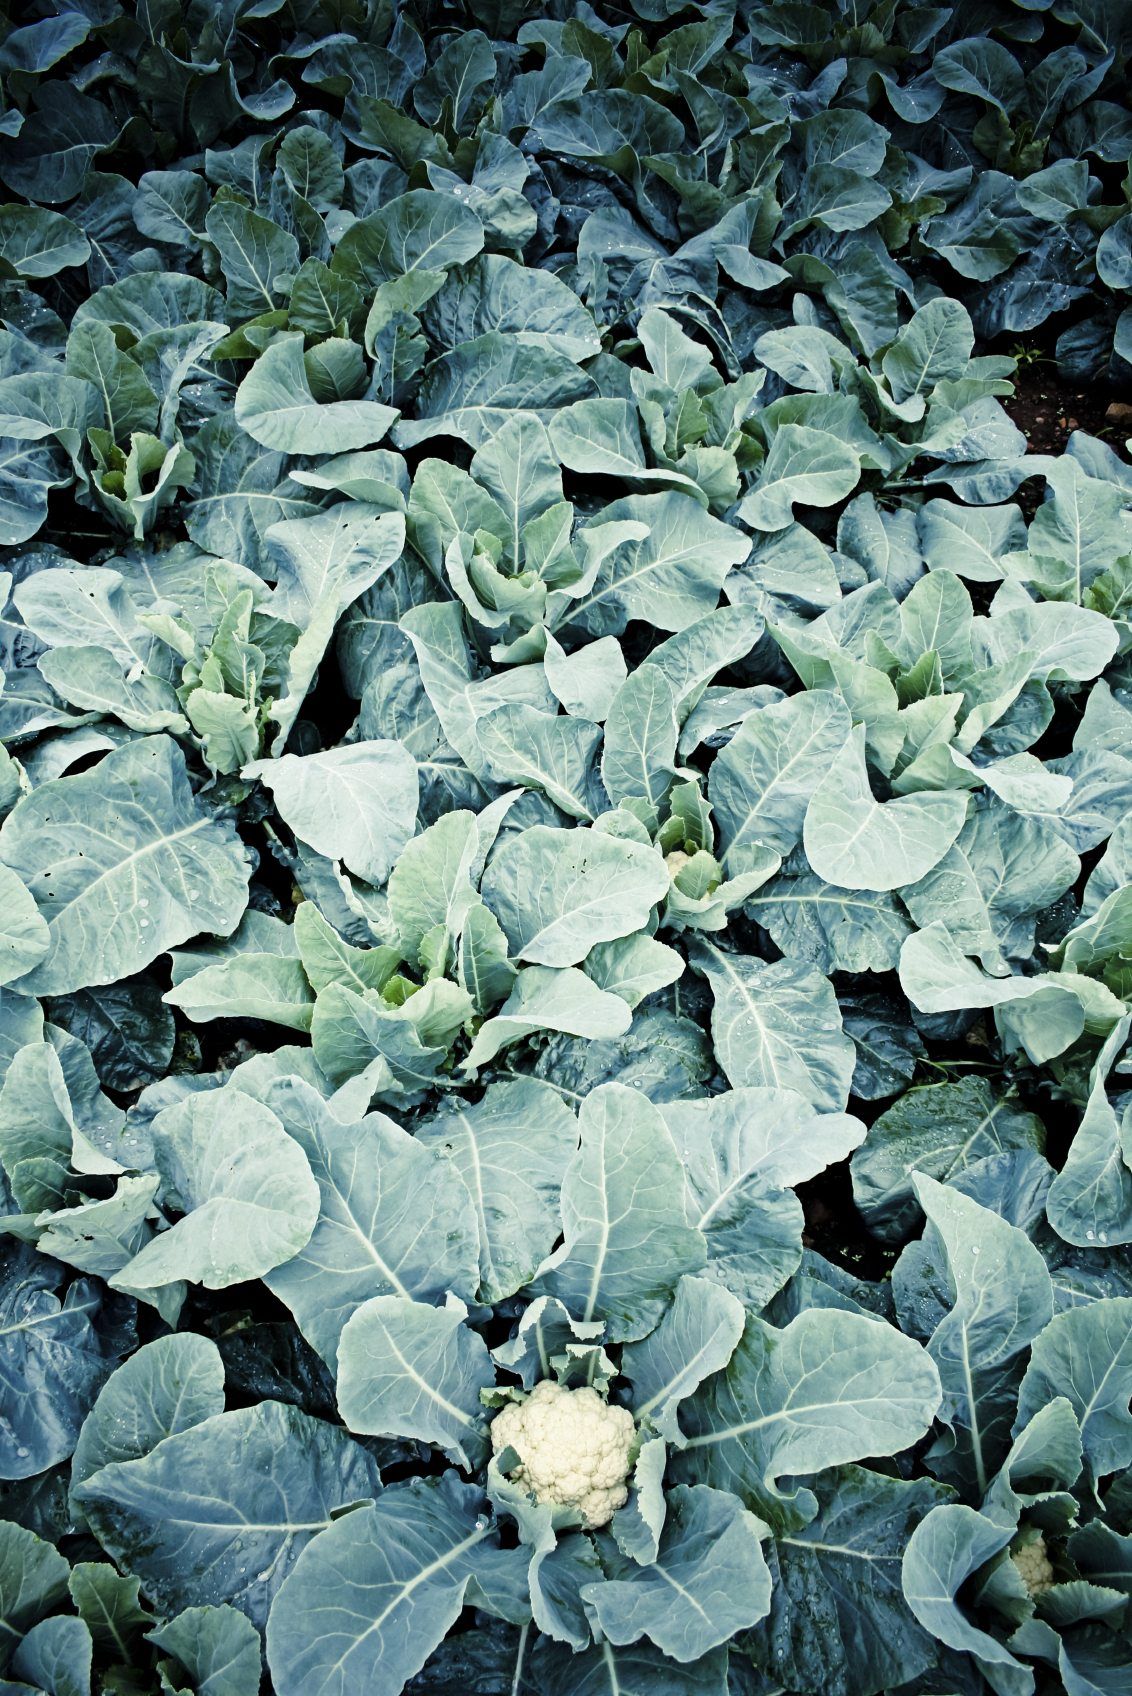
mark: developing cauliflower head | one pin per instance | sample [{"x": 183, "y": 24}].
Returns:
[
  {"x": 1033, "y": 1565},
  {"x": 573, "y": 1449}
]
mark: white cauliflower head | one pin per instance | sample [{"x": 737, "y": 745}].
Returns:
[
  {"x": 574, "y": 1449},
  {"x": 1032, "y": 1563}
]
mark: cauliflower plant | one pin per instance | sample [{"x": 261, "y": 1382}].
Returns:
[
  {"x": 1033, "y": 1566},
  {"x": 574, "y": 1449}
]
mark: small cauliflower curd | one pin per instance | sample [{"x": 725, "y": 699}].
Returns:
[
  {"x": 1032, "y": 1563},
  {"x": 574, "y": 1449}
]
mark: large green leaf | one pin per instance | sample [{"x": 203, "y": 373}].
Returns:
[
  {"x": 603, "y": 438},
  {"x": 393, "y": 1218},
  {"x": 830, "y": 1387},
  {"x": 255, "y": 254},
  {"x": 943, "y": 1552},
  {"x": 999, "y": 874},
  {"x": 1043, "y": 1013},
  {"x": 371, "y": 1598},
  {"x": 997, "y": 1297},
  {"x": 496, "y": 293},
  {"x": 609, "y": 122},
  {"x": 171, "y": 1384},
  {"x": 434, "y": 882},
  {"x": 28, "y": 471},
  {"x": 670, "y": 576},
  {"x": 38, "y": 243},
  {"x": 740, "y": 1151},
  {"x": 245, "y": 1190},
  {"x": 639, "y": 749},
  {"x": 515, "y": 1199},
  {"x": 936, "y": 343},
  {"x": 247, "y": 986},
  {"x": 473, "y": 391},
  {"x": 1085, "y": 1354},
  {"x": 221, "y": 1511},
  {"x": 549, "y": 752},
  {"x": 808, "y": 466},
  {"x": 406, "y": 1369},
  {"x": 940, "y": 1130},
  {"x": 24, "y": 935},
  {"x": 415, "y": 231},
  {"x": 56, "y": 1656},
  {"x": 407, "y": 1041},
  {"x": 321, "y": 564},
  {"x": 709, "y": 1579},
  {"x": 838, "y": 1620},
  {"x": 159, "y": 868},
  {"x": 276, "y": 405},
  {"x": 33, "y": 1580},
  {"x": 856, "y": 842},
  {"x": 357, "y": 803},
  {"x": 639, "y": 1670},
  {"x": 696, "y": 1337},
  {"x": 761, "y": 783},
  {"x": 128, "y": 401},
  {"x": 53, "y": 1361},
  {"x": 626, "y": 1240},
  {"x": 777, "y": 1026},
  {"x": 549, "y": 999},
  {"x": 1090, "y": 1199},
  {"x": 836, "y": 930},
  {"x": 218, "y": 1647},
  {"x": 558, "y": 892}
]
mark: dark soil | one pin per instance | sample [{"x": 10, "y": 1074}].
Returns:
[{"x": 1048, "y": 410}]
